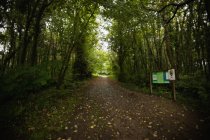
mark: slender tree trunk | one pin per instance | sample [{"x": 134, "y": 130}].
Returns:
[
  {"x": 25, "y": 42},
  {"x": 9, "y": 58},
  {"x": 207, "y": 4},
  {"x": 208, "y": 50},
  {"x": 36, "y": 36}
]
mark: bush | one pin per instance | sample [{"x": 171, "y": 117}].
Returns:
[
  {"x": 195, "y": 87},
  {"x": 22, "y": 80},
  {"x": 192, "y": 85}
]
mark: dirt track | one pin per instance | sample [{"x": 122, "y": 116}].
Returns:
[{"x": 110, "y": 111}]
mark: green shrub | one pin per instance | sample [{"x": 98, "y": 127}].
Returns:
[
  {"x": 195, "y": 87},
  {"x": 25, "y": 79},
  {"x": 192, "y": 85}
]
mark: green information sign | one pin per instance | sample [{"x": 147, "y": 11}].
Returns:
[{"x": 160, "y": 78}]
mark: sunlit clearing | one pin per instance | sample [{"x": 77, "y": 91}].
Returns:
[
  {"x": 102, "y": 65},
  {"x": 103, "y": 76}
]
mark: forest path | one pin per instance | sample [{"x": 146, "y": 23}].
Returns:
[{"x": 110, "y": 111}]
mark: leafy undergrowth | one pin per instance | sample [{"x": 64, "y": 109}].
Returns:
[
  {"x": 191, "y": 102},
  {"x": 39, "y": 115}
]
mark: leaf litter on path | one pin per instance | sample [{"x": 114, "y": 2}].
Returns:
[{"x": 111, "y": 112}]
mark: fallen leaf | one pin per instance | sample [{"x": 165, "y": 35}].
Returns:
[
  {"x": 155, "y": 134},
  {"x": 31, "y": 128},
  {"x": 149, "y": 126},
  {"x": 196, "y": 126},
  {"x": 92, "y": 126},
  {"x": 75, "y": 126},
  {"x": 118, "y": 133},
  {"x": 109, "y": 123}
]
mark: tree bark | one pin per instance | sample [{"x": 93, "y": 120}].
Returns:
[
  {"x": 36, "y": 36},
  {"x": 207, "y": 4}
]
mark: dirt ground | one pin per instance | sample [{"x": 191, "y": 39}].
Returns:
[{"x": 110, "y": 111}]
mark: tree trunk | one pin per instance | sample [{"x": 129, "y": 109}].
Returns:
[
  {"x": 207, "y": 4},
  {"x": 26, "y": 39},
  {"x": 36, "y": 36},
  {"x": 208, "y": 50}
]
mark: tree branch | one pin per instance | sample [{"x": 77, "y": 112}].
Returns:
[
  {"x": 174, "y": 14},
  {"x": 177, "y": 5}
]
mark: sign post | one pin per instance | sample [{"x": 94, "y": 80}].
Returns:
[
  {"x": 171, "y": 74},
  {"x": 150, "y": 82},
  {"x": 158, "y": 78},
  {"x": 164, "y": 77}
]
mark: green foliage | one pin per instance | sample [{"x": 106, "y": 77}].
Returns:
[
  {"x": 195, "y": 86},
  {"x": 58, "y": 38},
  {"x": 40, "y": 115},
  {"x": 192, "y": 85},
  {"x": 80, "y": 67},
  {"x": 99, "y": 61},
  {"x": 23, "y": 80},
  {"x": 142, "y": 41}
]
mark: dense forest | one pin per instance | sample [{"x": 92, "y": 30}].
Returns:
[
  {"x": 152, "y": 36},
  {"x": 54, "y": 43},
  {"x": 51, "y": 42}
]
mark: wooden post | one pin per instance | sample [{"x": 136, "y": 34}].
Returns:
[
  {"x": 150, "y": 82},
  {"x": 172, "y": 79},
  {"x": 173, "y": 90}
]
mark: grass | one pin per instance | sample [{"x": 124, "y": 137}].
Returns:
[{"x": 38, "y": 116}]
